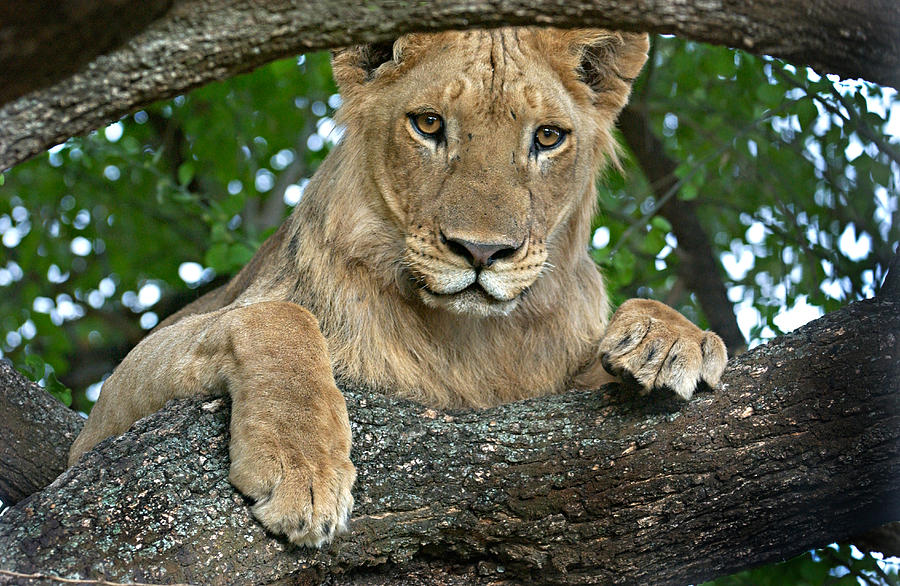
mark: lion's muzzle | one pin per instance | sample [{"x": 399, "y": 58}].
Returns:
[{"x": 470, "y": 276}]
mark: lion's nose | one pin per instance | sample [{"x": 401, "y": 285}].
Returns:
[{"x": 479, "y": 254}]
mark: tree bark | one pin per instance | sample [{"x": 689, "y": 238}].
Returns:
[
  {"x": 799, "y": 447},
  {"x": 35, "y": 435},
  {"x": 198, "y": 41},
  {"x": 43, "y": 41}
]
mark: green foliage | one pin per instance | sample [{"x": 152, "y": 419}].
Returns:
[
  {"x": 795, "y": 179},
  {"x": 40, "y": 372},
  {"x": 107, "y": 234},
  {"x": 96, "y": 231},
  {"x": 833, "y": 565}
]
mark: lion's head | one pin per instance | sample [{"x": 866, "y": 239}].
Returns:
[{"x": 484, "y": 146}]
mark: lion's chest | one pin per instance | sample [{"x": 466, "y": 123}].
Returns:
[{"x": 444, "y": 364}]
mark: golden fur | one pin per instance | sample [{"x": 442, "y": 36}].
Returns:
[{"x": 450, "y": 268}]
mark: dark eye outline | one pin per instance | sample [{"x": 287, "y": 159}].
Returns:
[
  {"x": 414, "y": 121},
  {"x": 561, "y": 136}
]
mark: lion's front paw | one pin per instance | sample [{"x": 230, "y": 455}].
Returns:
[
  {"x": 307, "y": 499},
  {"x": 661, "y": 349}
]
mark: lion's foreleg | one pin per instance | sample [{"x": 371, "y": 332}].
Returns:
[
  {"x": 175, "y": 361},
  {"x": 290, "y": 436}
]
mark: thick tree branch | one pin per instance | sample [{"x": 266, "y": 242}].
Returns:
[
  {"x": 198, "y": 41},
  {"x": 35, "y": 435},
  {"x": 43, "y": 41},
  {"x": 800, "y": 446}
]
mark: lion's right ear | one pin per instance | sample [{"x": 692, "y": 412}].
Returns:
[{"x": 353, "y": 66}]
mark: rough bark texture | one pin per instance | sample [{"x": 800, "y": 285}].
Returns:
[
  {"x": 42, "y": 41},
  {"x": 35, "y": 435},
  {"x": 799, "y": 447},
  {"x": 198, "y": 41}
]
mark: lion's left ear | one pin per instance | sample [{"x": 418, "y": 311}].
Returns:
[{"x": 609, "y": 62}]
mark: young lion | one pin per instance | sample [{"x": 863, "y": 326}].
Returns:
[{"x": 442, "y": 249}]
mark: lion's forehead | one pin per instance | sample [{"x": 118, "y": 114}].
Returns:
[
  {"x": 508, "y": 100},
  {"x": 490, "y": 71}
]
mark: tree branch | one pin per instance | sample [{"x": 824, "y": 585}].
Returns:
[
  {"x": 42, "y": 41},
  {"x": 35, "y": 434},
  {"x": 198, "y": 41},
  {"x": 799, "y": 447}
]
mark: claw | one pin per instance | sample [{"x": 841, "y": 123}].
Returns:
[{"x": 608, "y": 365}]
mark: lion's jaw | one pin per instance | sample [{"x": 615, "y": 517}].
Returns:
[{"x": 472, "y": 300}]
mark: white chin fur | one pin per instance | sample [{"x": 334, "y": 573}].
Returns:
[
  {"x": 498, "y": 287},
  {"x": 469, "y": 302}
]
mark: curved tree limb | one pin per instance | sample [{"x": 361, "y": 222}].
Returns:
[
  {"x": 199, "y": 41},
  {"x": 800, "y": 447},
  {"x": 42, "y": 42}
]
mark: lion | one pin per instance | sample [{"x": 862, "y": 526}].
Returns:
[{"x": 438, "y": 254}]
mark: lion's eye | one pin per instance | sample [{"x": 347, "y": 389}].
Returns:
[
  {"x": 547, "y": 137},
  {"x": 427, "y": 124}
]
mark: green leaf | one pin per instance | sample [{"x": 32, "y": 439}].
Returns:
[
  {"x": 654, "y": 241},
  {"x": 219, "y": 233},
  {"x": 34, "y": 367},
  {"x": 239, "y": 254},
  {"x": 233, "y": 204},
  {"x": 688, "y": 191},
  {"x": 59, "y": 390},
  {"x": 807, "y": 113},
  {"x": 217, "y": 257},
  {"x": 37, "y": 370},
  {"x": 185, "y": 173},
  {"x": 661, "y": 223},
  {"x": 623, "y": 266},
  {"x": 770, "y": 94},
  {"x": 685, "y": 169},
  {"x": 881, "y": 173}
]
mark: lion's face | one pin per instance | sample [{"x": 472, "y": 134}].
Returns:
[{"x": 484, "y": 146}]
